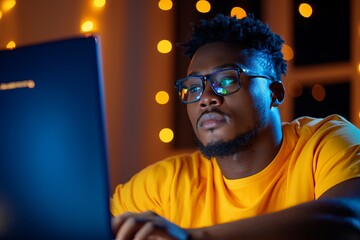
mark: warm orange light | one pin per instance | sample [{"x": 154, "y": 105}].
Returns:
[
  {"x": 1, "y": 14},
  {"x": 162, "y": 97},
  {"x": 288, "y": 52},
  {"x": 166, "y": 135},
  {"x": 318, "y": 92},
  {"x": 238, "y": 12},
  {"x": 165, "y": 4},
  {"x": 11, "y": 45},
  {"x": 99, "y": 3},
  {"x": 7, "y": 5},
  {"x": 164, "y": 46},
  {"x": 305, "y": 10},
  {"x": 87, "y": 26},
  {"x": 359, "y": 68},
  {"x": 203, "y": 6}
]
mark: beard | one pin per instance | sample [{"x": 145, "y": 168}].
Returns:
[{"x": 223, "y": 148}]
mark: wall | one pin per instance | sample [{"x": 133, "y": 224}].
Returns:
[{"x": 134, "y": 71}]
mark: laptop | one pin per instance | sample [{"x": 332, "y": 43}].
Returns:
[{"x": 53, "y": 155}]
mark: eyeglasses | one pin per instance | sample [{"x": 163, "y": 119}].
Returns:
[{"x": 223, "y": 82}]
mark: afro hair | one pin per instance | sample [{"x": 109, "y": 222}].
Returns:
[{"x": 248, "y": 31}]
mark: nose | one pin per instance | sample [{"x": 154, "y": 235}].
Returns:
[{"x": 209, "y": 97}]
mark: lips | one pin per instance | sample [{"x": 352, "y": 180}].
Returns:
[{"x": 211, "y": 120}]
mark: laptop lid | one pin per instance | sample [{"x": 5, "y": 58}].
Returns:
[{"x": 53, "y": 157}]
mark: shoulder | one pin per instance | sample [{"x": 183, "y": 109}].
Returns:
[
  {"x": 188, "y": 164},
  {"x": 333, "y": 125},
  {"x": 327, "y": 149}
]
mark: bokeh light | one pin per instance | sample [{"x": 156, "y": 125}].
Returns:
[
  {"x": 318, "y": 92},
  {"x": 288, "y": 52},
  {"x": 11, "y": 45},
  {"x": 87, "y": 26},
  {"x": 166, "y": 135},
  {"x": 203, "y": 6},
  {"x": 165, "y": 4},
  {"x": 7, "y": 5},
  {"x": 99, "y": 3},
  {"x": 164, "y": 46},
  {"x": 162, "y": 97},
  {"x": 1, "y": 14},
  {"x": 238, "y": 12},
  {"x": 305, "y": 10}
]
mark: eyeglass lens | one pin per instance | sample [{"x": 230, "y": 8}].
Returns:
[{"x": 223, "y": 83}]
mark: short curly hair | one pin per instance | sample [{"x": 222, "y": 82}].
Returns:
[{"x": 248, "y": 31}]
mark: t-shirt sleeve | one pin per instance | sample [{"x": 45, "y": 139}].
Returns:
[
  {"x": 145, "y": 191},
  {"x": 337, "y": 157}
]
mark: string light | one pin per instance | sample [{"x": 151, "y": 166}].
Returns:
[
  {"x": 11, "y": 45},
  {"x": 203, "y": 6},
  {"x": 165, "y": 4},
  {"x": 166, "y": 135},
  {"x": 318, "y": 92},
  {"x": 238, "y": 12},
  {"x": 162, "y": 97},
  {"x": 288, "y": 52},
  {"x": 87, "y": 26},
  {"x": 164, "y": 46},
  {"x": 99, "y": 3},
  {"x": 305, "y": 10},
  {"x": 8, "y": 5}
]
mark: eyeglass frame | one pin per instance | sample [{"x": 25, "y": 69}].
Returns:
[{"x": 239, "y": 69}]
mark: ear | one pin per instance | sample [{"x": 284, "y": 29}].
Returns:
[{"x": 277, "y": 93}]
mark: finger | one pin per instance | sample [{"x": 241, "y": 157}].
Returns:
[
  {"x": 128, "y": 229},
  {"x": 144, "y": 232},
  {"x": 152, "y": 231},
  {"x": 118, "y": 221}
]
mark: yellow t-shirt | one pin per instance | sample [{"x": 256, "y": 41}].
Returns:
[{"x": 191, "y": 191}]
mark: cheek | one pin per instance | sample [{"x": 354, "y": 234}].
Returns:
[
  {"x": 261, "y": 102},
  {"x": 255, "y": 101},
  {"x": 260, "y": 93},
  {"x": 191, "y": 114}
]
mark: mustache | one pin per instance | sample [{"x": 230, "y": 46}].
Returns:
[{"x": 209, "y": 111}]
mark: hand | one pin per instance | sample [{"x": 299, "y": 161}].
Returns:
[{"x": 147, "y": 225}]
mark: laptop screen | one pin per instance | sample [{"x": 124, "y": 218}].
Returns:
[{"x": 53, "y": 156}]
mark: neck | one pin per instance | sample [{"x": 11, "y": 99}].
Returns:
[{"x": 258, "y": 154}]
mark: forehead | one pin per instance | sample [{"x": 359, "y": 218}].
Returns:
[{"x": 212, "y": 55}]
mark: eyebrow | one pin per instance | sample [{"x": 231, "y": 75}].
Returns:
[{"x": 226, "y": 65}]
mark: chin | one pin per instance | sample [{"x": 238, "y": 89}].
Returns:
[
  {"x": 211, "y": 138},
  {"x": 221, "y": 147}
]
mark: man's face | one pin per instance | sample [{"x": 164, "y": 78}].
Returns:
[{"x": 243, "y": 114}]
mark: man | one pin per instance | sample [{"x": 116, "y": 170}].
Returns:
[{"x": 254, "y": 176}]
